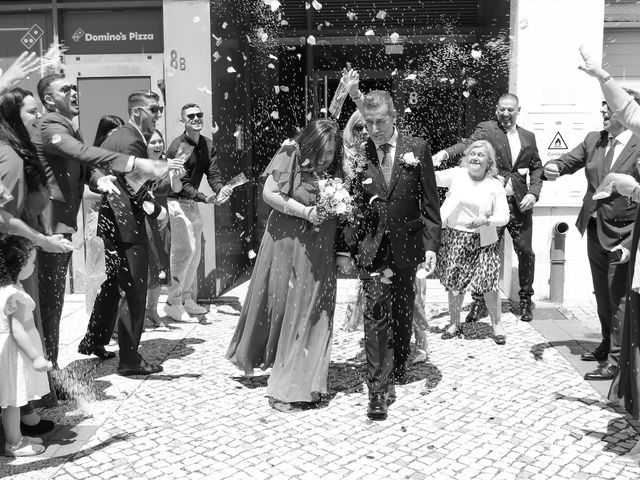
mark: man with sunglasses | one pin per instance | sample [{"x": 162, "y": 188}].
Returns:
[
  {"x": 70, "y": 164},
  {"x": 609, "y": 225},
  {"x": 121, "y": 226},
  {"x": 184, "y": 215}
]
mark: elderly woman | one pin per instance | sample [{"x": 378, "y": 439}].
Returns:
[{"x": 474, "y": 207}]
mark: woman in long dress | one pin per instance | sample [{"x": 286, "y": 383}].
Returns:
[{"x": 287, "y": 317}]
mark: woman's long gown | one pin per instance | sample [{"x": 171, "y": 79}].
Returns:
[{"x": 287, "y": 317}]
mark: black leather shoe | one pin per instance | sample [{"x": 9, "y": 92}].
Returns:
[
  {"x": 399, "y": 376},
  {"x": 526, "y": 311},
  {"x": 377, "y": 409},
  {"x": 143, "y": 369},
  {"x": 391, "y": 394},
  {"x": 97, "y": 350},
  {"x": 606, "y": 371},
  {"x": 478, "y": 311},
  {"x": 595, "y": 356},
  {"x": 43, "y": 426}
]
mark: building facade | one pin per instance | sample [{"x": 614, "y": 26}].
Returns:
[{"x": 261, "y": 68}]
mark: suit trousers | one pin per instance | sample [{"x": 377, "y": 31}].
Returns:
[
  {"x": 126, "y": 268},
  {"x": 186, "y": 246},
  {"x": 610, "y": 288},
  {"x": 52, "y": 278},
  {"x": 520, "y": 228},
  {"x": 388, "y": 317}
]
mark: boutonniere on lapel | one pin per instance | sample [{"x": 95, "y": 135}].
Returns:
[{"x": 409, "y": 160}]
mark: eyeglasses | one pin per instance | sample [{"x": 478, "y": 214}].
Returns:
[
  {"x": 191, "y": 116},
  {"x": 154, "y": 109}
]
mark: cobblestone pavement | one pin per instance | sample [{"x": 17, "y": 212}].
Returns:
[{"x": 474, "y": 410}]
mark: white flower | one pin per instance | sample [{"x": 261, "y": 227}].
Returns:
[
  {"x": 340, "y": 194},
  {"x": 410, "y": 160},
  {"x": 341, "y": 208},
  {"x": 322, "y": 184},
  {"x": 329, "y": 190}
]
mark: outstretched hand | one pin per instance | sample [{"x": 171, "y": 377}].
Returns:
[
  {"x": 351, "y": 80},
  {"x": 590, "y": 67},
  {"x": 25, "y": 64}
]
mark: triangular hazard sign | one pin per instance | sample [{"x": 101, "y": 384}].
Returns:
[{"x": 557, "y": 143}]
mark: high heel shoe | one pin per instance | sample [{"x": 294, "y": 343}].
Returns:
[
  {"x": 453, "y": 331},
  {"x": 499, "y": 338}
]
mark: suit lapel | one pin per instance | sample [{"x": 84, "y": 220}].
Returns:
[
  {"x": 523, "y": 145},
  {"x": 625, "y": 155},
  {"x": 599, "y": 156},
  {"x": 395, "y": 172},
  {"x": 374, "y": 166}
]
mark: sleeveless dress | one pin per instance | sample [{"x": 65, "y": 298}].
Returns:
[
  {"x": 287, "y": 317},
  {"x": 20, "y": 382}
]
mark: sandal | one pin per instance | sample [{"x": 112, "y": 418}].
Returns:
[{"x": 23, "y": 449}]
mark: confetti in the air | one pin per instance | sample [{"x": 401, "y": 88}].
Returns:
[
  {"x": 224, "y": 25},
  {"x": 369, "y": 33},
  {"x": 411, "y": 76},
  {"x": 284, "y": 88},
  {"x": 239, "y": 216},
  {"x": 407, "y": 110},
  {"x": 275, "y": 115},
  {"x": 231, "y": 70},
  {"x": 251, "y": 254},
  {"x": 352, "y": 15},
  {"x": 196, "y": 19},
  {"x": 367, "y": 181},
  {"x": 394, "y": 37},
  {"x": 311, "y": 40},
  {"x": 271, "y": 65},
  {"x": 205, "y": 90},
  {"x": 316, "y": 4},
  {"x": 373, "y": 199},
  {"x": 381, "y": 15}
]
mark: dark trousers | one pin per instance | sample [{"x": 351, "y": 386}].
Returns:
[
  {"x": 520, "y": 228},
  {"x": 126, "y": 268},
  {"x": 52, "y": 277},
  {"x": 388, "y": 316},
  {"x": 610, "y": 288}
]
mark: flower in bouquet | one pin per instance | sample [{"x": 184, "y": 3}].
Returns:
[
  {"x": 334, "y": 200},
  {"x": 409, "y": 160}
]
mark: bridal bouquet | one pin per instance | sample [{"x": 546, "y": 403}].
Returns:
[{"x": 334, "y": 200}]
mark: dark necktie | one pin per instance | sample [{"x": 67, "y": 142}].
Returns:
[
  {"x": 608, "y": 158},
  {"x": 387, "y": 162}
]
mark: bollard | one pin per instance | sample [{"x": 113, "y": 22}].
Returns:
[{"x": 556, "y": 276}]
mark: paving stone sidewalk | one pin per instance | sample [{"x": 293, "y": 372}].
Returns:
[{"x": 474, "y": 410}]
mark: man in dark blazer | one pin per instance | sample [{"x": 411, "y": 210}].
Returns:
[
  {"x": 69, "y": 163},
  {"x": 609, "y": 226},
  {"x": 517, "y": 156},
  {"x": 398, "y": 230},
  {"x": 121, "y": 226}
]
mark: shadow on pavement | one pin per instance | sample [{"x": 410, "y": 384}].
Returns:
[
  {"x": 55, "y": 461},
  {"x": 575, "y": 347}
]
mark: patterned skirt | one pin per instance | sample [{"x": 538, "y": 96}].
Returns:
[{"x": 463, "y": 264}]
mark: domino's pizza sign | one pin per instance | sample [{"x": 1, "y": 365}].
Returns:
[
  {"x": 33, "y": 35},
  {"x": 113, "y": 32}
]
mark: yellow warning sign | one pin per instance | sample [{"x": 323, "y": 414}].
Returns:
[{"x": 557, "y": 143}]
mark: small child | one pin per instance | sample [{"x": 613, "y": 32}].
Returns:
[{"x": 22, "y": 362}]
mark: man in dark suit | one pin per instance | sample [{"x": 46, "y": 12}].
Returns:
[
  {"x": 609, "y": 226},
  {"x": 121, "y": 226},
  {"x": 517, "y": 156},
  {"x": 69, "y": 163},
  {"x": 399, "y": 230}
]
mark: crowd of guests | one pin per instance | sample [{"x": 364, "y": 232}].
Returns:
[
  {"x": 398, "y": 236},
  {"x": 45, "y": 165}
]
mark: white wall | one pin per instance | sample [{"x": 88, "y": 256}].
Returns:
[
  {"x": 556, "y": 97},
  {"x": 187, "y": 31}
]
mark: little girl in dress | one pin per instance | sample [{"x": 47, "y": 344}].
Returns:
[{"x": 22, "y": 362}]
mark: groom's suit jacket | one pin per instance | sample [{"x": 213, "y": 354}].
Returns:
[
  {"x": 527, "y": 162},
  {"x": 407, "y": 211},
  {"x": 615, "y": 216}
]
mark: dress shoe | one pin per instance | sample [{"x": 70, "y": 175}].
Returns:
[
  {"x": 595, "y": 356},
  {"x": 144, "y": 368},
  {"x": 500, "y": 339},
  {"x": 43, "y": 426},
  {"x": 478, "y": 310},
  {"x": 399, "y": 376},
  {"x": 526, "y": 311},
  {"x": 97, "y": 350},
  {"x": 377, "y": 409},
  {"x": 606, "y": 371},
  {"x": 391, "y": 394}
]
